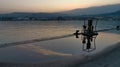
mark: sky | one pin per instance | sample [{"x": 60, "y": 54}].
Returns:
[{"x": 7, "y": 6}]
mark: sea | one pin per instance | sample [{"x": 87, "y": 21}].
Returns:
[{"x": 54, "y": 49}]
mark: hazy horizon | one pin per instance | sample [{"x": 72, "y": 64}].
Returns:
[{"x": 8, "y": 6}]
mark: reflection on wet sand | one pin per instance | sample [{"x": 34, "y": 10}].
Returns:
[{"x": 43, "y": 51}]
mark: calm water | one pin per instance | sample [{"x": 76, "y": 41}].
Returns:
[{"x": 12, "y": 31}]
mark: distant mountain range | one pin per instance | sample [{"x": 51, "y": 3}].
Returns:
[
  {"x": 117, "y": 13},
  {"x": 94, "y": 10},
  {"x": 107, "y": 10}
]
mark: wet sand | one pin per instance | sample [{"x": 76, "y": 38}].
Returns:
[{"x": 109, "y": 57}]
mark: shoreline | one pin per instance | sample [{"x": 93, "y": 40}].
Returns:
[{"x": 75, "y": 61}]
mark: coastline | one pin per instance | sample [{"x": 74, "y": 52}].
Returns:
[{"x": 94, "y": 60}]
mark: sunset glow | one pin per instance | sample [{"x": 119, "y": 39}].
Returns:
[{"x": 49, "y": 5}]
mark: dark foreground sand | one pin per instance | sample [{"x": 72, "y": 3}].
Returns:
[{"x": 109, "y": 57}]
